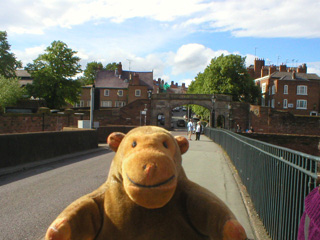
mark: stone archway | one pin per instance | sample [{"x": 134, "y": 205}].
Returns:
[{"x": 217, "y": 104}]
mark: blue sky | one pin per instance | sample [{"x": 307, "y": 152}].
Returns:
[{"x": 174, "y": 38}]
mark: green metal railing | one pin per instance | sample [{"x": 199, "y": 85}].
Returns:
[{"x": 277, "y": 179}]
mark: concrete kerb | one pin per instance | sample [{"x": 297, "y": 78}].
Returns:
[
  {"x": 257, "y": 226},
  {"x": 22, "y": 167}
]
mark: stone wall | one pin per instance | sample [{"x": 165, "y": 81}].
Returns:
[
  {"x": 305, "y": 144},
  {"x": 266, "y": 120},
  {"x": 24, "y": 148}
]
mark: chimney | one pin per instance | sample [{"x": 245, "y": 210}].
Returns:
[
  {"x": 302, "y": 68},
  {"x": 183, "y": 85},
  {"x": 135, "y": 79},
  {"x": 159, "y": 81},
  {"x": 264, "y": 71},
  {"x": 172, "y": 84},
  {"x": 258, "y": 64},
  {"x": 272, "y": 69},
  {"x": 282, "y": 68},
  {"x": 119, "y": 69},
  {"x": 293, "y": 75}
]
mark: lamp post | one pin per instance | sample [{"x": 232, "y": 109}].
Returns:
[
  {"x": 92, "y": 105},
  {"x": 145, "y": 114}
]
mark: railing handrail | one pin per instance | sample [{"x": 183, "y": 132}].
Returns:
[
  {"x": 276, "y": 178},
  {"x": 248, "y": 140}
]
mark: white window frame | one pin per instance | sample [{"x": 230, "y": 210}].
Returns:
[
  {"x": 285, "y": 89},
  {"x": 120, "y": 93},
  {"x": 304, "y": 104},
  {"x": 302, "y": 90},
  {"x": 119, "y": 103},
  {"x": 285, "y": 103},
  {"x": 273, "y": 89},
  {"x": 137, "y": 93},
  {"x": 263, "y": 87},
  {"x": 79, "y": 104},
  {"x": 106, "y": 103},
  {"x": 106, "y": 92},
  {"x": 272, "y": 103}
]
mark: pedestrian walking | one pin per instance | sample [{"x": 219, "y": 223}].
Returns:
[
  {"x": 198, "y": 131},
  {"x": 190, "y": 129}
]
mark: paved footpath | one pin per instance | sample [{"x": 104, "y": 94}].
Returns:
[{"x": 205, "y": 164}]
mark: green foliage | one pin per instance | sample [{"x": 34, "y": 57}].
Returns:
[
  {"x": 52, "y": 74},
  {"x": 10, "y": 92},
  {"x": 89, "y": 74},
  {"x": 111, "y": 66},
  {"x": 225, "y": 75},
  {"x": 8, "y": 62}
]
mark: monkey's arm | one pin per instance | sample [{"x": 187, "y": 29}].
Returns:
[
  {"x": 210, "y": 216},
  {"x": 80, "y": 220}
]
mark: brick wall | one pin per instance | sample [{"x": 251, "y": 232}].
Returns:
[
  {"x": 266, "y": 120},
  {"x": 305, "y": 144},
  {"x": 22, "y": 123}
]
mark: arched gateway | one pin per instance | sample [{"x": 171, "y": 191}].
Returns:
[{"x": 217, "y": 104}]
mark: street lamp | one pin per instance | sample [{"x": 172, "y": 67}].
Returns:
[
  {"x": 145, "y": 116},
  {"x": 92, "y": 105}
]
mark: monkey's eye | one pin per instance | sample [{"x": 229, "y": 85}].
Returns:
[
  {"x": 134, "y": 144},
  {"x": 165, "y": 144}
]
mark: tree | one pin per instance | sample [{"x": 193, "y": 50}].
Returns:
[
  {"x": 8, "y": 62},
  {"x": 10, "y": 92},
  {"x": 89, "y": 74},
  {"x": 111, "y": 66},
  {"x": 225, "y": 75},
  {"x": 52, "y": 74}
]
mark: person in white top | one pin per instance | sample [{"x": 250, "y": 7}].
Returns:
[
  {"x": 198, "y": 131},
  {"x": 190, "y": 129}
]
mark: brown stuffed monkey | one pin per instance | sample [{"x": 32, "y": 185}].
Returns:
[{"x": 147, "y": 196}]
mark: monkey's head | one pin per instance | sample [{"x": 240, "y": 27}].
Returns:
[{"x": 148, "y": 162}]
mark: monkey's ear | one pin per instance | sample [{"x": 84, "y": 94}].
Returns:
[
  {"x": 183, "y": 144},
  {"x": 114, "y": 140}
]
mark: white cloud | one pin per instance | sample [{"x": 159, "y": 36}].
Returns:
[
  {"x": 295, "y": 18},
  {"x": 313, "y": 67},
  {"x": 29, "y": 54},
  {"x": 193, "y": 58}
]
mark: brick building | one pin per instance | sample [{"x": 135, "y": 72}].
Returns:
[
  {"x": 287, "y": 89},
  {"x": 118, "y": 88}
]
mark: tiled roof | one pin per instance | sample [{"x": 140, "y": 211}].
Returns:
[
  {"x": 108, "y": 79},
  {"x": 23, "y": 74},
  {"x": 299, "y": 76},
  {"x": 146, "y": 78}
]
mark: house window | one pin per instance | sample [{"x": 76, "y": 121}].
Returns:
[
  {"x": 263, "y": 101},
  {"x": 285, "y": 103},
  {"x": 137, "y": 93},
  {"x": 272, "y": 103},
  {"x": 106, "y": 92},
  {"x": 301, "y": 90},
  {"x": 273, "y": 89},
  {"x": 285, "y": 89},
  {"x": 120, "y": 103},
  {"x": 301, "y": 104},
  {"x": 79, "y": 104},
  {"x": 263, "y": 87},
  {"x": 106, "y": 103},
  {"x": 120, "y": 93}
]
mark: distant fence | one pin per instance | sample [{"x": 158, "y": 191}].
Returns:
[{"x": 277, "y": 179}]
